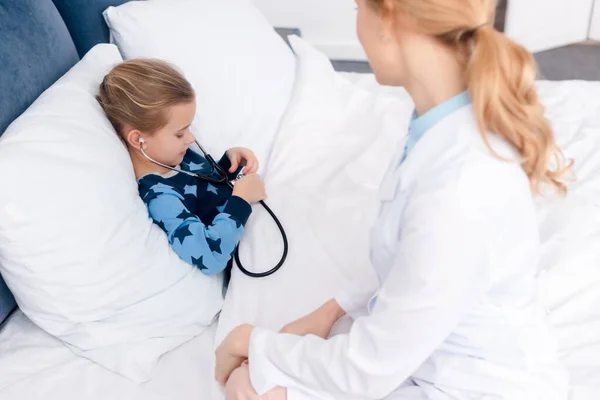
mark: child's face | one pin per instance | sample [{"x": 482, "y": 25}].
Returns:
[{"x": 169, "y": 144}]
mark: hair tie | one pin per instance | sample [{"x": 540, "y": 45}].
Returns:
[{"x": 485, "y": 24}]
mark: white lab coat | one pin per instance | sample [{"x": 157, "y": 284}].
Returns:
[{"x": 456, "y": 316}]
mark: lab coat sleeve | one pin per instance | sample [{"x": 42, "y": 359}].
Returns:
[
  {"x": 354, "y": 298},
  {"x": 440, "y": 271}
]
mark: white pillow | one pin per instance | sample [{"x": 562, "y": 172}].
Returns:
[
  {"x": 322, "y": 180},
  {"x": 241, "y": 69},
  {"x": 77, "y": 247}
]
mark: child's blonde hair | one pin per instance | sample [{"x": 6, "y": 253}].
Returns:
[
  {"x": 138, "y": 93},
  {"x": 500, "y": 75}
]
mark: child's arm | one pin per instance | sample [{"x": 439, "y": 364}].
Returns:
[
  {"x": 225, "y": 163},
  {"x": 208, "y": 247}
]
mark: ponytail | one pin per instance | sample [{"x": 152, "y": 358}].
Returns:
[
  {"x": 500, "y": 78},
  {"x": 501, "y": 82}
]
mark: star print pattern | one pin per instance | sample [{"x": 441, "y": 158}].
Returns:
[
  {"x": 181, "y": 233},
  {"x": 214, "y": 245},
  {"x": 211, "y": 188},
  {"x": 195, "y": 167},
  {"x": 162, "y": 188},
  {"x": 189, "y": 189},
  {"x": 185, "y": 214},
  {"x": 161, "y": 225},
  {"x": 199, "y": 262},
  {"x": 202, "y": 221}
]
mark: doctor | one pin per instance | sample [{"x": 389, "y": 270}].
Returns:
[{"x": 455, "y": 245}]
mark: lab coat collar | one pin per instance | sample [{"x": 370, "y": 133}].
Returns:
[
  {"x": 448, "y": 116},
  {"x": 421, "y": 124},
  {"x": 443, "y": 140}
]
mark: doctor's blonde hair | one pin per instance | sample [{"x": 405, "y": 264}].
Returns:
[
  {"x": 138, "y": 94},
  {"x": 500, "y": 76}
]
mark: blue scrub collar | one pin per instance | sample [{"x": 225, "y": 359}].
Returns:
[{"x": 419, "y": 125}]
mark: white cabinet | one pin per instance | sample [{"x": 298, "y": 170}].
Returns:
[
  {"x": 545, "y": 24},
  {"x": 595, "y": 22},
  {"x": 329, "y": 25}
]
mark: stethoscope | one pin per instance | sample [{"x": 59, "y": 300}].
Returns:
[{"x": 223, "y": 179}]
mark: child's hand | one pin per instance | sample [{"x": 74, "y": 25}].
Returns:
[
  {"x": 240, "y": 156},
  {"x": 250, "y": 188}
]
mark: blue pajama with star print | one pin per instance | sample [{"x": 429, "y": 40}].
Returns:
[{"x": 203, "y": 221}]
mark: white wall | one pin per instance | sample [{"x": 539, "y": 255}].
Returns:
[
  {"x": 330, "y": 25},
  {"x": 595, "y": 26},
  {"x": 545, "y": 24}
]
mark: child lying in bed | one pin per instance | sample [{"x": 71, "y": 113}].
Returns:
[{"x": 151, "y": 106}]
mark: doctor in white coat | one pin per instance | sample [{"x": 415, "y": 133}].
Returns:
[{"x": 456, "y": 243}]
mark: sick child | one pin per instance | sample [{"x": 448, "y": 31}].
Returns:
[{"x": 151, "y": 105}]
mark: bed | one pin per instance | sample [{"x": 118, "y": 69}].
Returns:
[{"x": 36, "y": 365}]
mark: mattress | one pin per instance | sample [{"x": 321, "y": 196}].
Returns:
[{"x": 34, "y": 365}]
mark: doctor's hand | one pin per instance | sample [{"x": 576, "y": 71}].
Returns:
[
  {"x": 242, "y": 157},
  {"x": 318, "y": 322},
  {"x": 232, "y": 352}
]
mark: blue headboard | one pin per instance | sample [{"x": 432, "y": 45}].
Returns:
[
  {"x": 36, "y": 49},
  {"x": 40, "y": 41},
  {"x": 85, "y": 21}
]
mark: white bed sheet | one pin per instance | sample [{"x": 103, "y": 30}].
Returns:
[{"x": 33, "y": 365}]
